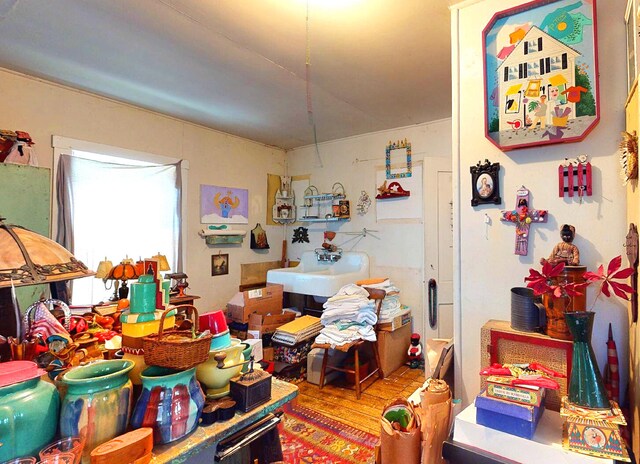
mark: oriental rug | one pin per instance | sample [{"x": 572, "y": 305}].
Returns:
[{"x": 309, "y": 437}]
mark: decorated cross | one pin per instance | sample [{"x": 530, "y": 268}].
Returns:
[{"x": 523, "y": 216}]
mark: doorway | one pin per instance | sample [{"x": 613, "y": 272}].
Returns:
[{"x": 438, "y": 246}]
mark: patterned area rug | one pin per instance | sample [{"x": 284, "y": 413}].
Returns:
[{"x": 310, "y": 437}]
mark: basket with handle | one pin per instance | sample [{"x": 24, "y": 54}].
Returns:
[{"x": 177, "y": 349}]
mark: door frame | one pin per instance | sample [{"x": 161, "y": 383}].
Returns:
[{"x": 431, "y": 166}]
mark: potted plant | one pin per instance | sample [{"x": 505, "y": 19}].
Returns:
[{"x": 586, "y": 387}]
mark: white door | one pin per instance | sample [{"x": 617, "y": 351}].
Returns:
[{"x": 438, "y": 246}]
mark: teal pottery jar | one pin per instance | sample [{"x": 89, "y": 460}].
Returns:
[
  {"x": 28, "y": 410},
  {"x": 97, "y": 403},
  {"x": 171, "y": 403},
  {"x": 586, "y": 387}
]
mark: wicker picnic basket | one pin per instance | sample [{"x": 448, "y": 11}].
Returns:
[{"x": 176, "y": 349}]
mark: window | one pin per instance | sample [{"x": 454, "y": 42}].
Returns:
[{"x": 117, "y": 205}]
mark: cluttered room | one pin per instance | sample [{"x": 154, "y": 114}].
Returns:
[{"x": 313, "y": 231}]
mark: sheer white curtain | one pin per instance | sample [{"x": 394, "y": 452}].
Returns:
[{"x": 116, "y": 208}]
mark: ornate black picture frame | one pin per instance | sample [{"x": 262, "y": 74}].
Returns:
[{"x": 485, "y": 183}]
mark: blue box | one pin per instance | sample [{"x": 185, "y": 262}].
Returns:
[{"x": 513, "y": 418}]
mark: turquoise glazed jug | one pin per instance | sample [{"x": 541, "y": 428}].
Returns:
[
  {"x": 171, "y": 403},
  {"x": 28, "y": 410},
  {"x": 97, "y": 402}
]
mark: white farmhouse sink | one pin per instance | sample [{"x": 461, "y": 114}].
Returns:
[{"x": 324, "y": 279}]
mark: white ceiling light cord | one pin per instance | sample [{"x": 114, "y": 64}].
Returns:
[{"x": 308, "y": 81}]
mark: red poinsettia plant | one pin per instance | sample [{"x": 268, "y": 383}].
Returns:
[{"x": 546, "y": 282}]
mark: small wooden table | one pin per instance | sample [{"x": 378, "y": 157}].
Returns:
[
  {"x": 183, "y": 300},
  {"x": 201, "y": 445}
]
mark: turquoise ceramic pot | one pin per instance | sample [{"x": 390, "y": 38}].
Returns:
[
  {"x": 171, "y": 403},
  {"x": 97, "y": 402},
  {"x": 221, "y": 341},
  {"x": 28, "y": 417}
]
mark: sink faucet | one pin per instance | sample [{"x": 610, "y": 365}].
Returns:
[{"x": 326, "y": 256}]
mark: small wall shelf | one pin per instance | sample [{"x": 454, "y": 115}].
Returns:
[
  {"x": 328, "y": 207},
  {"x": 222, "y": 236}
]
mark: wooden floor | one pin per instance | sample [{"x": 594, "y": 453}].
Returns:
[{"x": 338, "y": 401}]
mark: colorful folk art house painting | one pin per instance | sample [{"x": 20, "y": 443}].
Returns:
[{"x": 540, "y": 76}]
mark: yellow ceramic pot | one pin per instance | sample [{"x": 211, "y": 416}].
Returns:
[
  {"x": 216, "y": 380},
  {"x": 142, "y": 329}
]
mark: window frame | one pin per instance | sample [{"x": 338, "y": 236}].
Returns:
[{"x": 65, "y": 146}]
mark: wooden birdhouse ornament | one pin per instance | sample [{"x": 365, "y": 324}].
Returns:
[{"x": 574, "y": 177}]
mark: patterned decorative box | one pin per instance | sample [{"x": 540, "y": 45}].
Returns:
[
  {"x": 500, "y": 387},
  {"x": 291, "y": 354},
  {"x": 513, "y": 418}
]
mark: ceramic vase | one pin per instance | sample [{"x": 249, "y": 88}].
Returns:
[
  {"x": 586, "y": 387},
  {"x": 555, "y": 308},
  {"x": 171, "y": 403},
  {"x": 97, "y": 403},
  {"x": 28, "y": 416}
]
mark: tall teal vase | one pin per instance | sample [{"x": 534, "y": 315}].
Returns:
[{"x": 586, "y": 387}]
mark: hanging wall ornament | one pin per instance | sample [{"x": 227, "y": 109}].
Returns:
[
  {"x": 629, "y": 156},
  {"x": 574, "y": 175},
  {"x": 632, "y": 255},
  {"x": 259, "y": 238},
  {"x": 364, "y": 202},
  {"x": 523, "y": 216},
  {"x": 300, "y": 235}
]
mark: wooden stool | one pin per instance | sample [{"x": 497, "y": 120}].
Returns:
[{"x": 374, "y": 294}]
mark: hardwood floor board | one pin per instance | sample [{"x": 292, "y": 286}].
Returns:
[{"x": 338, "y": 401}]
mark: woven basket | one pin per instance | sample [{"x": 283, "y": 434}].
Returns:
[{"x": 176, "y": 349}]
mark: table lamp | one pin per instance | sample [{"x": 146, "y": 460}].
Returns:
[
  {"x": 122, "y": 272},
  {"x": 29, "y": 258},
  {"x": 163, "y": 264}
]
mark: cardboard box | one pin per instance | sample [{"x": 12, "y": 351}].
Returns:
[
  {"x": 393, "y": 348},
  {"x": 400, "y": 320},
  {"x": 270, "y": 322},
  {"x": 314, "y": 365},
  {"x": 267, "y": 354},
  {"x": 500, "y": 387},
  {"x": 261, "y": 300},
  {"x": 256, "y": 348},
  {"x": 509, "y": 417}
]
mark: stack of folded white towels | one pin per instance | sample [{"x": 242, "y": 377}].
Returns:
[
  {"x": 391, "y": 304},
  {"x": 348, "y": 316}
]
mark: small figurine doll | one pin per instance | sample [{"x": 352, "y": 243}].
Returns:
[
  {"x": 565, "y": 251},
  {"x": 415, "y": 351}
]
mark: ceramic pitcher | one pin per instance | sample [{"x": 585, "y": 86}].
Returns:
[
  {"x": 28, "y": 410},
  {"x": 171, "y": 403},
  {"x": 216, "y": 380},
  {"x": 97, "y": 402}
]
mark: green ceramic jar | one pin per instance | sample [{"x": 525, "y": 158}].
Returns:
[{"x": 28, "y": 413}]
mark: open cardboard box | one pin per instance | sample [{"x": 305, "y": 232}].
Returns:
[{"x": 267, "y": 300}]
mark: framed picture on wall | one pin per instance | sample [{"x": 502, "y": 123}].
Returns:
[
  {"x": 541, "y": 73},
  {"x": 630, "y": 20},
  {"x": 485, "y": 183},
  {"x": 220, "y": 264}
]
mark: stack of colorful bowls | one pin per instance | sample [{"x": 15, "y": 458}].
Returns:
[{"x": 216, "y": 323}]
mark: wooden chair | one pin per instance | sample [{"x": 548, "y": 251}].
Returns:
[{"x": 374, "y": 294}]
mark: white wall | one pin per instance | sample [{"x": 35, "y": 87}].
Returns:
[
  {"x": 487, "y": 266},
  {"x": 44, "y": 109},
  {"x": 353, "y": 162}
]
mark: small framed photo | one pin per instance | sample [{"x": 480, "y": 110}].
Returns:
[
  {"x": 220, "y": 264},
  {"x": 485, "y": 183}
]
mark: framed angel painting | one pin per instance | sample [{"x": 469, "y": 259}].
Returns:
[{"x": 541, "y": 73}]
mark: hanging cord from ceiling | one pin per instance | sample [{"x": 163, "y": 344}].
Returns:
[{"x": 308, "y": 82}]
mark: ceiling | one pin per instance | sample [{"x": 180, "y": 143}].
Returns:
[{"x": 239, "y": 66}]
